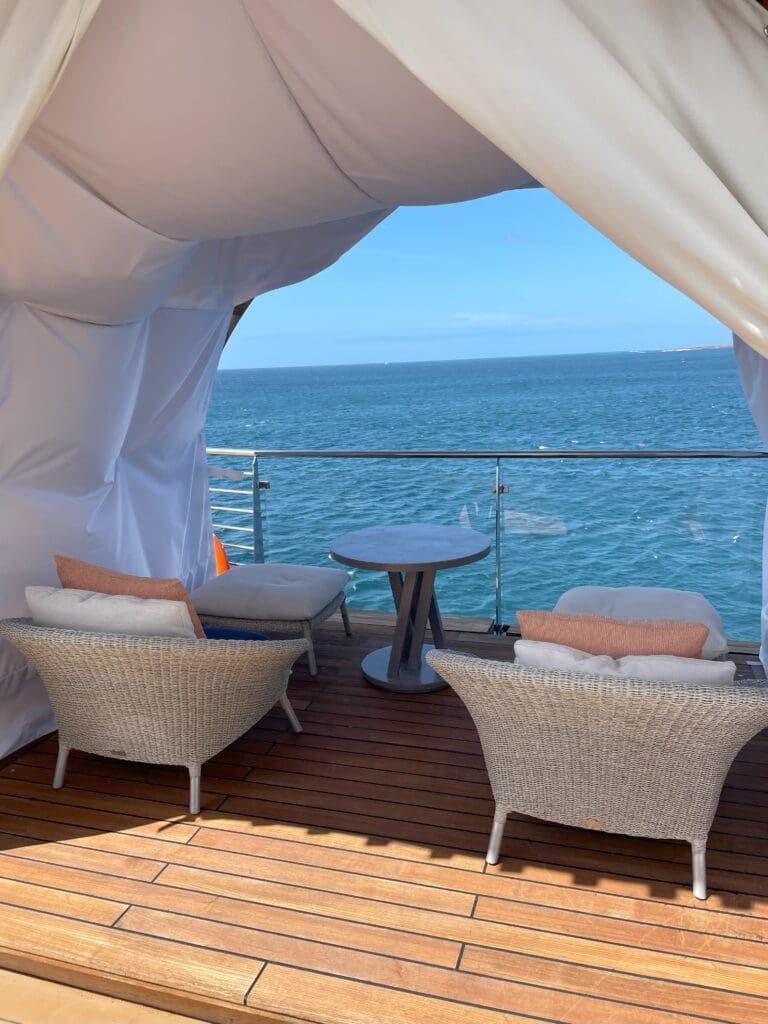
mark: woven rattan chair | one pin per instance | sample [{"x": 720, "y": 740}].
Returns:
[
  {"x": 155, "y": 700},
  {"x": 599, "y": 752}
]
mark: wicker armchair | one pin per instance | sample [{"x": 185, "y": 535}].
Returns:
[
  {"x": 619, "y": 755},
  {"x": 155, "y": 700}
]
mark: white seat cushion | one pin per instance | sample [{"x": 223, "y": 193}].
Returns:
[
  {"x": 271, "y": 591},
  {"x": 65, "y": 608},
  {"x": 654, "y": 668},
  {"x": 649, "y": 603}
]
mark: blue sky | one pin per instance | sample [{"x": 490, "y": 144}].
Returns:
[{"x": 513, "y": 274}]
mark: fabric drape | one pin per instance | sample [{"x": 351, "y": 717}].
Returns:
[
  {"x": 111, "y": 335},
  {"x": 36, "y": 41},
  {"x": 645, "y": 116},
  {"x": 753, "y": 369}
]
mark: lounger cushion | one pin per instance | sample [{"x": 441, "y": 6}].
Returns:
[
  {"x": 655, "y": 668},
  {"x": 275, "y": 591},
  {"x": 109, "y": 613},
  {"x": 649, "y": 603},
  {"x": 79, "y": 575}
]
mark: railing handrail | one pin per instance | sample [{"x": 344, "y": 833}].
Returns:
[
  {"x": 539, "y": 453},
  {"x": 497, "y": 455}
]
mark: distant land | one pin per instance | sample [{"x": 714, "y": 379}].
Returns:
[{"x": 689, "y": 348}]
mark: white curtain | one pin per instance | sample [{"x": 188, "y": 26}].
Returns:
[
  {"x": 648, "y": 117},
  {"x": 37, "y": 38},
  {"x": 753, "y": 369},
  {"x": 111, "y": 334}
]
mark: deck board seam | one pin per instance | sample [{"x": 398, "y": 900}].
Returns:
[
  {"x": 609, "y": 944},
  {"x": 308, "y": 888},
  {"x": 383, "y": 835},
  {"x": 160, "y": 870},
  {"x": 258, "y": 784},
  {"x": 119, "y": 917},
  {"x": 588, "y": 890},
  {"x": 680, "y": 983},
  {"x": 477, "y": 764},
  {"x": 265, "y": 931},
  {"x": 44, "y": 798},
  {"x": 90, "y": 828},
  {"x": 525, "y": 984},
  {"x": 212, "y": 828},
  {"x": 82, "y": 969},
  {"x": 477, "y": 850},
  {"x": 394, "y": 771},
  {"x": 474, "y": 753},
  {"x": 253, "y": 983},
  {"x": 85, "y": 972},
  {"x": 235, "y": 874},
  {"x": 37, "y": 843},
  {"x": 392, "y": 903},
  {"x": 383, "y": 927}
]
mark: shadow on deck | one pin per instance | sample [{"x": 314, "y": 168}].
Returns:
[{"x": 338, "y": 876}]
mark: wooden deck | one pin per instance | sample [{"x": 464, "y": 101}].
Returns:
[{"x": 339, "y": 877}]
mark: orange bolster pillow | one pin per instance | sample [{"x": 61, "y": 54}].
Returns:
[
  {"x": 598, "y": 634},
  {"x": 77, "y": 575}
]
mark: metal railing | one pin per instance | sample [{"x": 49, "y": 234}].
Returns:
[
  {"x": 251, "y": 491},
  {"x": 248, "y": 521}
]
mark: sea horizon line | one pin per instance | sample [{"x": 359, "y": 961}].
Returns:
[{"x": 481, "y": 359}]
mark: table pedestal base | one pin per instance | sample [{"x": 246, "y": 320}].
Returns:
[
  {"x": 411, "y": 555},
  {"x": 423, "y": 680}
]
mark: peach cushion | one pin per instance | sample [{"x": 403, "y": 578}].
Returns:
[
  {"x": 77, "y": 575},
  {"x": 597, "y": 634}
]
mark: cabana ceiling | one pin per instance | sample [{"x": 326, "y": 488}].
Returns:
[{"x": 231, "y": 119}]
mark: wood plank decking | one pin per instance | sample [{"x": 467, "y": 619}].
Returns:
[{"x": 339, "y": 877}]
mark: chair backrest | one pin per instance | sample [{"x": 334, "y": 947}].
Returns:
[
  {"x": 603, "y": 752},
  {"x": 184, "y": 696}
]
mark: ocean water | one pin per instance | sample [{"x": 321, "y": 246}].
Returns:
[{"x": 694, "y": 525}]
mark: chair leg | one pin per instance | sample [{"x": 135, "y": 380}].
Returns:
[
  {"x": 61, "y": 766},
  {"x": 306, "y": 630},
  {"x": 699, "y": 850},
  {"x": 290, "y": 714},
  {"x": 345, "y": 617},
  {"x": 497, "y": 834},
  {"x": 194, "y": 788}
]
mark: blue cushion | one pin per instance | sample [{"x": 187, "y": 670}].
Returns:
[{"x": 219, "y": 633}]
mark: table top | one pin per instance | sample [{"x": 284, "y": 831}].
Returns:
[{"x": 414, "y": 547}]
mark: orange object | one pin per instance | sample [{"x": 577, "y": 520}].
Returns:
[
  {"x": 220, "y": 555},
  {"x": 599, "y": 634}
]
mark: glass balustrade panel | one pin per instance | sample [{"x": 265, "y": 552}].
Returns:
[
  {"x": 693, "y": 524},
  {"x": 311, "y": 501}
]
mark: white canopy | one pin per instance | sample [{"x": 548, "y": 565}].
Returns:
[{"x": 196, "y": 153}]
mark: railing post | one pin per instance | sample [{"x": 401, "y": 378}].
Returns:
[
  {"x": 497, "y": 492},
  {"x": 258, "y": 525}
]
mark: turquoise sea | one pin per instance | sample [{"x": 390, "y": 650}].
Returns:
[{"x": 695, "y": 525}]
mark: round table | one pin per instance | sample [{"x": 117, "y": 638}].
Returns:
[{"x": 411, "y": 555}]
